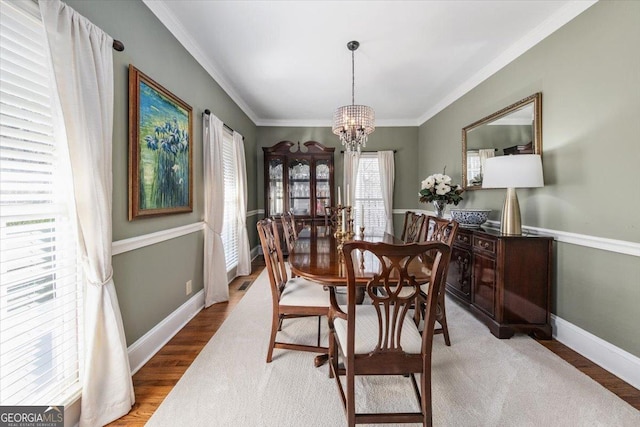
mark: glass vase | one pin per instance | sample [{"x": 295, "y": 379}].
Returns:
[{"x": 439, "y": 206}]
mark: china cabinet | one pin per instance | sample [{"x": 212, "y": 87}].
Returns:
[
  {"x": 300, "y": 181},
  {"x": 504, "y": 280}
]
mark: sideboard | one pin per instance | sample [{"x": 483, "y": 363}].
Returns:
[{"x": 504, "y": 280}]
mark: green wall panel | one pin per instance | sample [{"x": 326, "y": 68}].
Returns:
[{"x": 589, "y": 75}]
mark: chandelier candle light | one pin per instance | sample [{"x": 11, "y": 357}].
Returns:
[{"x": 353, "y": 123}]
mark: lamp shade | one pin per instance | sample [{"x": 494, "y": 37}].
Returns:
[{"x": 515, "y": 171}]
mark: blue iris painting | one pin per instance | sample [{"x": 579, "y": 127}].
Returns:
[{"x": 164, "y": 151}]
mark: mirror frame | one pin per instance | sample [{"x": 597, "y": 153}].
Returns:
[{"x": 536, "y": 100}]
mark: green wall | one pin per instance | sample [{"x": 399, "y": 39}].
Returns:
[
  {"x": 401, "y": 139},
  {"x": 589, "y": 75},
  {"x": 150, "y": 281}
]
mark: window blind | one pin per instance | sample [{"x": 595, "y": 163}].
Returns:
[
  {"x": 40, "y": 297},
  {"x": 369, "y": 194},
  {"x": 230, "y": 222}
]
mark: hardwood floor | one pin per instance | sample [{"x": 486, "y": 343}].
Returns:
[{"x": 157, "y": 377}]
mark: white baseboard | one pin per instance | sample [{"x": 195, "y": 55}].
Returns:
[
  {"x": 615, "y": 360},
  {"x": 622, "y": 364},
  {"x": 256, "y": 251},
  {"x": 150, "y": 343}
]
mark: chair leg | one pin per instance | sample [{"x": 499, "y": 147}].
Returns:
[
  {"x": 333, "y": 365},
  {"x": 319, "y": 329},
  {"x": 351, "y": 398},
  {"x": 427, "y": 409},
  {"x": 443, "y": 322},
  {"x": 276, "y": 321}
]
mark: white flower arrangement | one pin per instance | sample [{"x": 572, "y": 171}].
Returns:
[{"x": 439, "y": 187}]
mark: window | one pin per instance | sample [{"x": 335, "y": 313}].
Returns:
[
  {"x": 474, "y": 169},
  {"x": 369, "y": 194},
  {"x": 230, "y": 223},
  {"x": 40, "y": 286}
]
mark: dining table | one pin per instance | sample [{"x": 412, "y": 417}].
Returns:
[{"x": 315, "y": 256}]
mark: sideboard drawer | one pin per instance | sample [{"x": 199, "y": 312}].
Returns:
[
  {"x": 463, "y": 238},
  {"x": 484, "y": 244}
]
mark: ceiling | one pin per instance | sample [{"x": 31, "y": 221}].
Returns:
[{"x": 285, "y": 63}]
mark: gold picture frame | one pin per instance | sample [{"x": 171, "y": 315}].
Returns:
[{"x": 160, "y": 150}]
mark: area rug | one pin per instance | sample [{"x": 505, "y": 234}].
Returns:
[{"x": 478, "y": 381}]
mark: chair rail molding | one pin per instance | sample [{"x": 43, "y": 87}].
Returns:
[
  {"x": 612, "y": 245},
  {"x": 125, "y": 245}
]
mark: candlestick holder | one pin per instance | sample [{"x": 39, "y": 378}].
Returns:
[
  {"x": 339, "y": 233},
  {"x": 349, "y": 226},
  {"x": 361, "y": 232}
]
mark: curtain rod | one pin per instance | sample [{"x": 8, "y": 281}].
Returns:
[
  {"x": 207, "y": 112},
  {"x": 372, "y": 151},
  {"x": 117, "y": 44}
]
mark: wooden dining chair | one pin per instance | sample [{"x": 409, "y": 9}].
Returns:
[
  {"x": 438, "y": 230},
  {"x": 295, "y": 297},
  {"x": 292, "y": 221},
  {"x": 289, "y": 231},
  {"x": 381, "y": 338},
  {"x": 413, "y": 226},
  {"x": 330, "y": 216}
]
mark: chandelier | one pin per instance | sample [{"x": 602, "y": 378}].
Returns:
[{"x": 353, "y": 123}]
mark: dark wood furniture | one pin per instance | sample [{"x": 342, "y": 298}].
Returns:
[
  {"x": 288, "y": 229},
  {"x": 300, "y": 182},
  {"x": 295, "y": 297},
  {"x": 331, "y": 216},
  {"x": 412, "y": 228},
  {"x": 445, "y": 231},
  {"x": 381, "y": 338},
  {"x": 315, "y": 257},
  {"x": 504, "y": 280}
]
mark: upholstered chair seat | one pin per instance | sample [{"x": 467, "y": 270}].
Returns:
[{"x": 367, "y": 332}]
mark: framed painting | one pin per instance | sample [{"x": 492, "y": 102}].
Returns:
[{"x": 160, "y": 151}]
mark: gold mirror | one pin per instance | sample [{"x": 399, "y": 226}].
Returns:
[{"x": 516, "y": 129}]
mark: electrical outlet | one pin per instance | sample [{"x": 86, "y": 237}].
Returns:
[{"x": 189, "y": 287}]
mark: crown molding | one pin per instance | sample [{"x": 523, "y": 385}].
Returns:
[
  {"x": 550, "y": 25},
  {"x": 546, "y": 28},
  {"x": 327, "y": 123},
  {"x": 165, "y": 16}
]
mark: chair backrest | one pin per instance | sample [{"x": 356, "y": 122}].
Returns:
[
  {"x": 268, "y": 233},
  {"x": 330, "y": 216},
  {"x": 439, "y": 230},
  {"x": 412, "y": 228},
  {"x": 399, "y": 267},
  {"x": 292, "y": 221},
  {"x": 289, "y": 231}
]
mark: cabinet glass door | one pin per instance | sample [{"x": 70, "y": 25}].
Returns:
[
  {"x": 323, "y": 189},
  {"x": 300, "y": 187},
  {"x": 276, "y": 187}
]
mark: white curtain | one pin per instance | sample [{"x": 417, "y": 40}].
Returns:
[
  {"x": 81, "y": 56},
  {"x": 216, "y": 288},
  {"x": 387, "y": 175},
  {"x": 244, "y": 252},
  {"x": 351, "y": 162}
]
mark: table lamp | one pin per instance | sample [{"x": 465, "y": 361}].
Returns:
[{"x": 511, "y": 172}]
